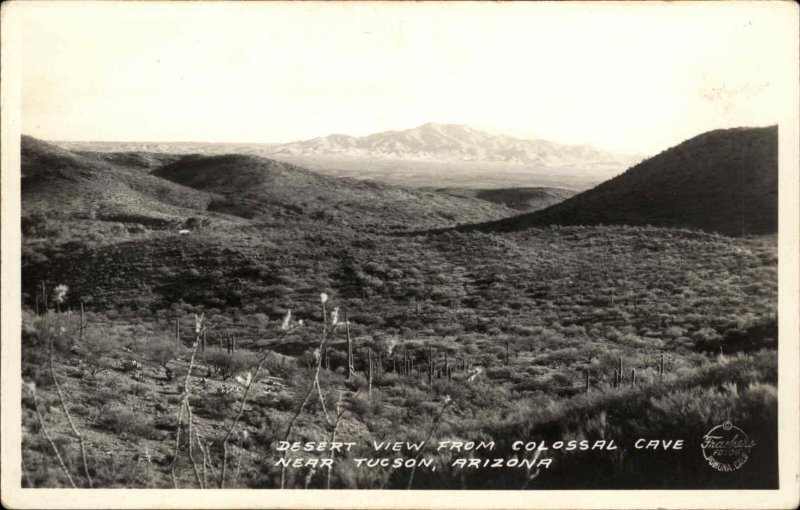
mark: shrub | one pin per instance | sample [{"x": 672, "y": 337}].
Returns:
[
  {"x": 228, "y": 365},
  {"x": 216, "y": 405},
  {"x": 125, "y": 421},
  {"x": 49, "y": 328},
  {"x": 100, "y": 398}
]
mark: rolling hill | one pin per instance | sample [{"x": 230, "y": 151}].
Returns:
[
  {"x": 150, "y": 188},
  {"x": 723, "y": 181},
  {"x": 252, "y": 184},
  {"x": 523, "y": 199},
  {"x": 62, "y": 183}
]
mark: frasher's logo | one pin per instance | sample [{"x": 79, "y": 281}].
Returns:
[{"x": 726, "y": 447}]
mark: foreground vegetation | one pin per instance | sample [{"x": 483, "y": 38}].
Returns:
[
  {"x": 184, "y": 316},
  {"x": 510, "y": 342}
]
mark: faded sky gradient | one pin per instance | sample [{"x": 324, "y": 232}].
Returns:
[{"x": 626, "y": 77}]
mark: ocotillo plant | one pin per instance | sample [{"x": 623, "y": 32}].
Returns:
[
  {"x": 445, "y": 403},
  {"x": 314, "y": 385},
  {"x": 71, "y": 423},
  {"x": 44, "y": 430}
]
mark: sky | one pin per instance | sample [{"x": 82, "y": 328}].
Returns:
[{"x": 634, "y": 78}]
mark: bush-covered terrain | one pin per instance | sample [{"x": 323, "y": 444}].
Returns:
[
  {"x": 176, "y": 330},
  {"x": 519, "y": 199}
]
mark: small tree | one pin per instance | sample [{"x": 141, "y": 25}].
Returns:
[
  {"x": 97, "y": 349},
  {"x": 162, "y": 352}
]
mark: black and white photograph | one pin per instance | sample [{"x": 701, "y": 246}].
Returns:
[{"x": 460, "y": 248}]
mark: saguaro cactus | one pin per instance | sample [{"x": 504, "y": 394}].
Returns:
[
  {"x": 177, "y": 333},
  {"x": 430, "y": 364},
  {"x": 587, "y": 381},
  {"x": 661, "y": 370},
  {"x": 369, "y": 371},
  {"x": 82, "y": 326},
  {"x": 633, "y": 377},
  {"x": 349, "y": 347},
  {"x": 44, "y": 297},
  {"x": 199, "y": 331}
]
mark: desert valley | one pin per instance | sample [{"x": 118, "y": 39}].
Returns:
[{"x": 191, "y": 309}]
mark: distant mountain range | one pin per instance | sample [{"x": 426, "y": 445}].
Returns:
[
  {"x": 723, "y": 181},
  {"x": 453, "y": 142},
  {"x": 431, "y": 155},
  {"x": 428, "y": 142}
]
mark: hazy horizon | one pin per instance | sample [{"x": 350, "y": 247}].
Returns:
[
  {"x": 347, "y": 134},
  {"x": 632, "y": 79}
]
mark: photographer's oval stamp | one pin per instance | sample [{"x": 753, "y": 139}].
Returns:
[{"x": 726, "y": 447}]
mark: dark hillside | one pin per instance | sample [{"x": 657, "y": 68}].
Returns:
[
  {"x": 238, "y": 173},
  {"x": 62, "y": 183},
  {"x": 723, "y": 181}
]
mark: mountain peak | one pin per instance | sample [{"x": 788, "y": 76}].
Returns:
[
  {"x": 439, "y": 126},
  {"x": 434, "y": 141}
]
